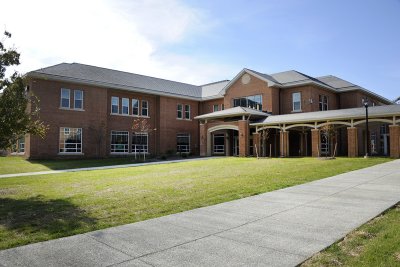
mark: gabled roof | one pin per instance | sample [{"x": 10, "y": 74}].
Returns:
[
  {"x": 213, "y": 90},
  {"x": 97, "y": 76},
  {"x": 75, "y": 72},
  {"x": 233, "y": 112},
  {"x": 344, "y": 86},
  {"x": 345, "y": 114}
]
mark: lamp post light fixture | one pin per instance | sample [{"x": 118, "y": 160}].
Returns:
[{"x": 365, "y": 101}]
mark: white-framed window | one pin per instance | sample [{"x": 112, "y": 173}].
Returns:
[
  {"x": 183, "y": 143},
  {"x": 179, "y": 111},
  {"x": 119, "y": 142},
  {"x": 187, "y": 112},
  {"x": 140, "y": 142},
  {"x": 70, "y": 140},
  {"x": 253, "y": 101},
  {"x": 78, "y": 99},
  {"x": 114, "y": 105},
  {"x": 222, "y": 107},
  {"x": 215, "y": 107},
  {"x": 65, "y": 98},
  {"x": 135, "y": 107},
  {"x": 296, "y": 101},
  {"x": 145, "y": 108},
  {"x": 125, "y": 106},
  {"x": 323, "y": 102}
]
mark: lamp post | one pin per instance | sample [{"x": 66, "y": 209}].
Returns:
[{"x": 366, "y": 128}]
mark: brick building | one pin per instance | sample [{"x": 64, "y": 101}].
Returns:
[{"x": 96, "y": 112}]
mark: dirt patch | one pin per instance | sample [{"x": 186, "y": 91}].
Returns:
[{"x": 7, "y": 191}]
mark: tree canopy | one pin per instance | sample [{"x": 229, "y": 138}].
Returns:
[{"x": 19, "y": 109}]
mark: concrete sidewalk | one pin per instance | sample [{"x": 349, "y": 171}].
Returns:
[
  {"x": 103, "y": 167},
  {"x": 280, "y": 228}
]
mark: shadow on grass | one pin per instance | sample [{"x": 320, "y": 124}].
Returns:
[
  {"x": 36, "y": 214},
  {"x": 61, "y": 164}
]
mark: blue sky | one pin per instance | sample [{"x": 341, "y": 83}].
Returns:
[{"x": 203, "y": 41}]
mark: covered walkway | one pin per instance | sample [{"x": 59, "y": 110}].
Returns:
[{"x": 336, "y": 131}]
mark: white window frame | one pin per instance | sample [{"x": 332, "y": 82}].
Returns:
[
  {"x": 125, "y": 105},
  {"x": 113, "y": 98},
  {"x": 69, "y": 98},
  {"x": 115, "y": 148},
  {"x": 222, "y": 107},
  {"x": 293, "y": 101},
  {"x": 183, "y": 148},
  {"x": 187, "y": 112},
  {"x": 75, "y": 98},
  {"x": 145, "y": 149},
  {"x": 321, "y": 102},
  {"x": 138, "y": 108},
  {"x": 215, "y": 107},
  {"x": 179, "y": 111},
  {"x": 145, "y": 108},
  {"x": 62, "y": 146}
]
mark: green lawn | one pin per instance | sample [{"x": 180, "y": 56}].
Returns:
[
  {"x": 45, "y": 207},
  {"x": 16, "y": 164},
  {"x": 376, "y": 243}
]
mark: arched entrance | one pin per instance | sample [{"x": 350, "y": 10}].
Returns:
[{"x": 223, "y": 140}]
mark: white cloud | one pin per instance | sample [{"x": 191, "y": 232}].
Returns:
[{"x": 124, "y": 35}]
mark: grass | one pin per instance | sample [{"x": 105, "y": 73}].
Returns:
[
  {"x": 376, "y": 243},
  {"x": 16, "y": 164},
  {"x": 44, "y": 207}
]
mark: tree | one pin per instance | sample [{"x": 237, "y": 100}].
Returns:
[
  {"x": 328, "y": 134},
  {"x": 142, "y": 126},
  {"x": 19, "y": 110}
]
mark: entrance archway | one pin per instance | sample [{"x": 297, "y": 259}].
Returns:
[{"x": 228, "y": 144}]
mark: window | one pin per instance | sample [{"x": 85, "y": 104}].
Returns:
[
  {"x": 78, "y": 99},
  {"x": 65, "y": 98},
  {"x": 114, "y": 105},
  {"x": 222, "y": 107},
  {"x": 323, "y": 102},
  {"x": 296, "y": 100},
  {"x": 187, "y": 112},
  {"x": 145, "y": 108},
  {"x": 70, "y": 140},
  {"x": 215, "y": 108},
  {"x": 21, "y": 145},
  {"x": 254, "y": 102},
  {"x": 179, "y": 111},
  {"x": 119, "y": 142},
  {"x": 140, "y": 143},
  {"x": 125, "y": 106},
  {"x": 183, "y": 143},
  {"x": 135, "y": 107}
]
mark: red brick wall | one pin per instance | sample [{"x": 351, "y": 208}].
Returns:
[
  {"x": 254, "y": 87},
  {"x": 307, "y": 92},
  {"x": 208, "y": 106},
  {"x": 170, "y": 126},
  {"x": 49, "y": 93}
]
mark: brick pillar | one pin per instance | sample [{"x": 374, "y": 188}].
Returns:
[
  {"x": 315, "y": 142},
  {"x": 243, "y": 138},
  {"x": 352, "y": 141},
  {"x": 203, "y": 139},
  {"x": 394, "y": 134},
  {"x": 284, "y": 143},
  {"x": 256, "y": 143}
]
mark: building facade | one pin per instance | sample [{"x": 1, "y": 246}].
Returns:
[{"x": 94, "y": 112}]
